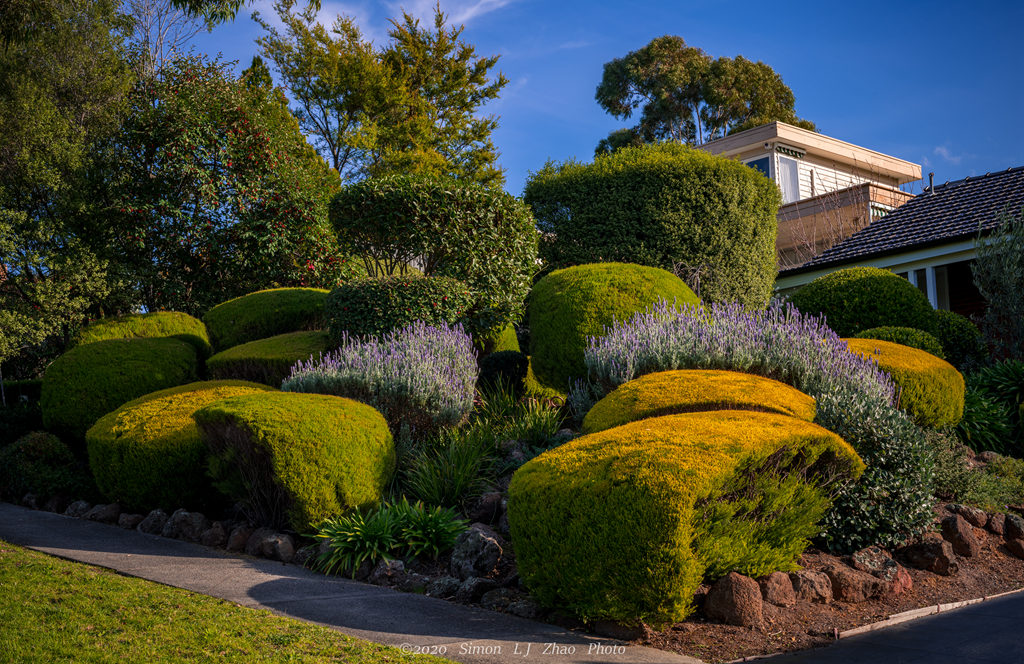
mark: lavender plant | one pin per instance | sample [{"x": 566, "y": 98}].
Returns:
[
  {"x": 855, "y": 399},
  {"x": 420, "y": 377}
]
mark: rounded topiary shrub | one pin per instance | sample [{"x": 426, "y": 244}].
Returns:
[
  {"x": 148, "y": 453},
  {"x": 931, "y": 390},
  {"x": 481, "y": 236},
  {"x": 297, "y": 459},
  {"x": 40, "y": 463},
  {"x": 664, "y": 205},
  {"x": 89, "y": 381},
  {"x": 694, "y": 390},
  {"x": 506, "y": 369},
  {"x": 156, "y": 324},
  {"x": 860, "y": 298},
  {"x": 569, "y": 306},
  {"x": 268, "y": 361},
  {"x": 496, "y": 341},
  {"x": 372, "y": 307},
  {"x": 961, "y": 340},
  {"x": 905, "y": 336},
  {"x": 265, "y": 313},
  {"x": 624, "y": 524}
]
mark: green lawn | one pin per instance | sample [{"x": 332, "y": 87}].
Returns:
[{"x": 52, "y": 610}]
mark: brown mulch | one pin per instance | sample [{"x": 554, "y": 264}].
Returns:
[{"x": 807, "y": 625}]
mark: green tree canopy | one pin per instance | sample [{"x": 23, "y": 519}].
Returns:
[{"x": 684, "y": 95}]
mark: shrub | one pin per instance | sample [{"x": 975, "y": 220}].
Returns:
[
  {"x": 569, "y": 306},
  {"x": 688, "y": 391},
  {"x": 265, "y": 313},
  {"x": 667, "y": 206},
  {"x": 930, "y": 389},
  {"x": 18, "y": 419},
  {"x": 148, "y": 453},
  {"x": 372, "y": 307},
  {"x": 961, "y": 340},
  {"x": 419, "y": 377},
  {"x": 999, "y": 276},
  {"x": 40, "y": 463},
  {"x": 995, "y": 396},
  {"x": 625, "y": 524},
  {"x": 268, "y": 361},
  {"x": 483, "y": 237},
  {"x": 861, "y": 298},
  {"x": 507, "y": 368},
  {"x": 400, "y": 529},
  {"x": 999, "y": 484},
  {"x": 905, "y": 336},
  {"x": 297, "y": 459},
  {"x": 157, "y": 324},
  {"x": 454, "y": 467},
  {"x": 89, "y": 381},
  {"x": 855, "y": 399},
  {"x": 20, "y": 391},
  {"x": 505, "y": 339}
]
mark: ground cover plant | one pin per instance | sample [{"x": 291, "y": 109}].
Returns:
[
  {"x": 265, "y": 313},
  {"x": 855, "y": 399},
  {"x": 55, "y": 610},
  {"x": 268, "y": 361},
  {"x": 156, "y": 324}
]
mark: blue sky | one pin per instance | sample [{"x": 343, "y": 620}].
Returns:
[{"x": 937, "y": 83}]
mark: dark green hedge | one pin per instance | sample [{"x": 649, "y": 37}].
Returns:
[
  {"x": 40, "y": 463},
  {"x": 89, "y": 381},
  {"x": 375, "y": 306},
  {"x": 155, "y": 324},
  {"x": 907, "y": 336},
  {"x": 961, "y": 340},
  {"x": 664, "y": 205},
  {"x": 265, "y": 313},
  {"x": 860, "y": 298},
  {"x": 482, "y": 237},
  {"x": 268, "y": 361}
]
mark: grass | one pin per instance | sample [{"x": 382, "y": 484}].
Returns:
[{"x": 54, "y": 610}]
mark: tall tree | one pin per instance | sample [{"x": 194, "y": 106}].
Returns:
[
  {"x": 160, "y": 31},
  {"x": 684, "y": 95}
]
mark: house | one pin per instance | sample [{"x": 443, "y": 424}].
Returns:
[
  {"x": 830, "y": 188},
  {"x": 930, "y": 239}
]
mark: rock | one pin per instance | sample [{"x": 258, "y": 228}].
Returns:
[
  {"x": 215, "y": 536},
  {"x": 777, "y": 589},
  {"x": 488, "y": 509},
  {"x": 563, "y": 436},
  {"x": 104, "y": 513},
  {"x": 30, "y": 501},
  {"x": 239, "y": 537},
  {"x": 959, "y": 533},
  {"x": 387, "y": 572},
  {"x": 185, "y": 525},
  {"x": 472, "y": 589},
  {"x": 306, "y": 554},
  {"x": 476, "y": 553},
  {"x": 362, "y": 573},
  {"x": 56, "y": 504},
  {"x": 275, "y": 546},
  {"x": 129, "y": 521},
  {"x": 498, "y": 599},
  {"x": 932, "y": 554},
  {"x": 876, "y": 561},
  {"x": 854, "y": 586},
  {"x": 1016, "y": 548},
  {"x": 525, "y": 607},
  {"x": 154, "y": 522},
  {"x": 78, "y": 509},
  {"x": 613, "y": 630},
  {"x": 413, "y": 582},
  {"x": 503, "y": 527},
  {"x": 811, "y": 586},
  {"x": 1014, "y": 527},
  {"x": 972, "y": 515},
  {"x": 735, "y": 600},
  {"x": 254, "y": 545},
  {"x": 997, "y": 524},
  {"x": 443, "y": 587},
  {"x": 988, "y": 456}
]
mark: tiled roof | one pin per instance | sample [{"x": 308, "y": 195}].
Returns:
[{"x": 949, "y": 212}]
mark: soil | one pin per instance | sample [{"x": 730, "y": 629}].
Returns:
[{"x": 806, "y": 625}]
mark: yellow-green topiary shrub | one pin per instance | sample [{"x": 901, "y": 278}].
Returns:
[
  {"x": 152, "y": 325},
  {"x": 568, "y": 306},
  {"x": 624, "y": 524},
  {"x": 931, "y": 390},
  {"x": 89, "y": 381},
  {"x": 295, "y": 459},
  {"x": 268, "y": 361},
  {"x": 265, "y": 313},
  {"x": 497, "y": 340},
  {"x": 148, "y": 453},
  {"x": 694, "y": 390}
]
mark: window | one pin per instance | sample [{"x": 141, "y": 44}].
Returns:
[
  {"x": 789, "y": 179},
  {"x": 761, "y": 165}
]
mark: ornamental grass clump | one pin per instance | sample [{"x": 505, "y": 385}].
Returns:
[
  {"x": 420, "y": 377},
  {"x": 855, "y": 399}
]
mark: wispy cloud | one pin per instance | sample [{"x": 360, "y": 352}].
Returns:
[
  {"x": 457, "y": 11},
  {"x": 943, "y": 151}
]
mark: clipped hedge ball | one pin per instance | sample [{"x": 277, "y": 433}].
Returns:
[
  {"x": 89, "y": 381},
  {"x": 931, "y": 389},
  {"x": 304, "y": 457},
  {"x": 568, "y": 306},
  {"x": 268, "y": 361},
  {"x": 265, "y": 313},
  {"x": 152, "y": 325},
  {"x": 624, "y": 524},
  {"x": 692, "y": 390},
  {"x": 905, "y": 336},
  {"x": 148, "y": 453}
]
